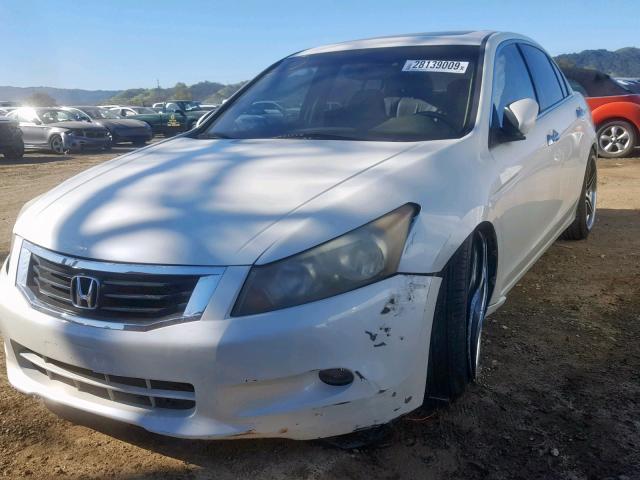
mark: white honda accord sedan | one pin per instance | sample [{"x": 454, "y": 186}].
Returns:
[{"x": 315, "y": 258}]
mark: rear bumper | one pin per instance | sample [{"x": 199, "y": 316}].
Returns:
[{"x": 253, "y": 376}]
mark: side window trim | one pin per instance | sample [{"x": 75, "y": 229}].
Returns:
[
  {"x": 563, "y": 81},
  {"x": 553, "y": 105},
  {"x": 524, "y": 61}
]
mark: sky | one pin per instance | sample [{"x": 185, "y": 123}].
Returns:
[{"x": 118, "y": 44}]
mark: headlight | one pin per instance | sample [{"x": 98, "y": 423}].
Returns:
[
  {"x": 70, "y": 132},
  {"x": 363, "y": 256}
]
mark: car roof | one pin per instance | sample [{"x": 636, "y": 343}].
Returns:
[{"x": 467, "y": 37}]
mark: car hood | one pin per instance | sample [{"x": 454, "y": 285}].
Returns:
[
  {"x": 74, "y": 125},
  {"x": 194, "y": 202},
  {"x": 120, "y": 123}
]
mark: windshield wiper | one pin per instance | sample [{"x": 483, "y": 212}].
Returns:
[{"x": 316, "y": 136}]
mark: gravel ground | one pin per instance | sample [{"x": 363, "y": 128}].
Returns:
[{"x": 559, "y": 395}]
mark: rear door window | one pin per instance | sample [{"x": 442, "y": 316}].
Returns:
[{"x": 545, "y": 80}]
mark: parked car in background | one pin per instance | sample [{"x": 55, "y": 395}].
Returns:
[
  {"x": 11, "y": 144},
  {"x": 311, "y": 274},
  {"x": 9, "y": 104},
  {"x": 175, "y": 117},
  {"x": 121, "y": 130},
  {"x": 614, "y": 108},
  {"x": 59, "y": 130},
  {"x": 631, "y": 84},
  {"x": 184, "y": 105}
]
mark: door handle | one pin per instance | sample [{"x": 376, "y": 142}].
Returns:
[
  {"x": 552, "y": 137},
  {"x": 580, "y": 112}
]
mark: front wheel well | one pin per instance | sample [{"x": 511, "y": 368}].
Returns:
[{"x": 490, "y": 232}]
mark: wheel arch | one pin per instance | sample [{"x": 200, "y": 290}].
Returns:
[{"x": 489, "y": 231}]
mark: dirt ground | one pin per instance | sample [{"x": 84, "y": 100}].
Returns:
[{"x": 559, "y": 395}]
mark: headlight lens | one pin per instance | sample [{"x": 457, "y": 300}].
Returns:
[{"x": 363, "y": 256}]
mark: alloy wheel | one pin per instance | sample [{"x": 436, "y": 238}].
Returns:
[
  {"x": 478, "y": 294},
  {"x": 56, "y": 145},
  {"x": 591, "y": 194},
  {"x": 614, "y": 139}
]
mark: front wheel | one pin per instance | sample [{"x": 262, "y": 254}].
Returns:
[
  {"x": 454, "y": 353},
  {"x": 57, "y": 145},
  {"x": 616, "y": 139}
]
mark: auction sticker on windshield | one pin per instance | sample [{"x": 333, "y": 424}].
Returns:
[{"x": 443, "y": 66}]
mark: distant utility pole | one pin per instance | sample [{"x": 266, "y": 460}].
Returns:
[{"x": 158, "y": 83}]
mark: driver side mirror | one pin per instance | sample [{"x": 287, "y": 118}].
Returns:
[
  {"x": 36, "y": 121},
  {"x": 519, "y": 118}
]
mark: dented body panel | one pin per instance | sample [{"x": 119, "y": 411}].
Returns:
[
  {"x": 236, "y": 204},
  {"x": 254, "y": 376}
]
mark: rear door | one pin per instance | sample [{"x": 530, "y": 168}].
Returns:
[
  {"x": 526, "y": 195},
  {"x": 563, "y": 114}
]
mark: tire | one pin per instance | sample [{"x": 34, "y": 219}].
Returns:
[
  {"x": 587, "y": 204},
  {"x": 56, "y": 145},
  {"x": 616, "y": 139},
  {"x": 14, "y": 153},
  {"x": 454, "y": 352}
]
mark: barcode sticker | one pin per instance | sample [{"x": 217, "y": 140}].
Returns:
[{"x": 442, "y": 66}]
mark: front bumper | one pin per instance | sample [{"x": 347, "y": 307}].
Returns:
[
  {"x": 254, "y": 376},
  {"x": 77, "y": 142},
  {"x": 132, "y": 135}
]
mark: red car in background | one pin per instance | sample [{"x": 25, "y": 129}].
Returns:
[{"x": 615, "y": 110}]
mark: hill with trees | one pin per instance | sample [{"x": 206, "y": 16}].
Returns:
[
  {"x": 207, "y": 92},
  {"x": 624, "y": 62}
]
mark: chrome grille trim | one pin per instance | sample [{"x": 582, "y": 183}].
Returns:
[
  {"x": 192, "y": 302},
  {"x": 138, "y": 392}
]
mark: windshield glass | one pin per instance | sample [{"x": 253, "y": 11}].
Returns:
[
  {"x": 101, "y": 113},
  {"x": 144, "y": 110},
  {"x": 386, "y": 94},
  {"x": 54, "y": 116},
  {"x": 186, "y": 106}
]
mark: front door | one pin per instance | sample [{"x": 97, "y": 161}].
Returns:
[{"x": 526, "y": 197}]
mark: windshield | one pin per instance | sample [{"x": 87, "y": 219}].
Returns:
[
  {"x": 144, "y": 110},
  {"x": 101, "y": 113},
  {"x": 55, "y": 116},
  {"x": 387, "y": 94}
]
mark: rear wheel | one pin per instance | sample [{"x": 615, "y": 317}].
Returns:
[
  {"x": 616, "y": 139},
  {"x": 587, "y": 203},
  {"x": 454, "y": 353}
]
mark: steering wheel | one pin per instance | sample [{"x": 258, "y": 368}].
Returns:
[{"x": 438, "y": 117}]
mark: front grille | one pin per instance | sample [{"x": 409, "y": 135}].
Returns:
[
  {"x": 119, "y": 297},
  {"x": 92, "y": 133},
  {"x": 138, "y": 392}
]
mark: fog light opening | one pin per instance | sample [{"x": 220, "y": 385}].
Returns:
[{"x": 336, "y": 377}]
